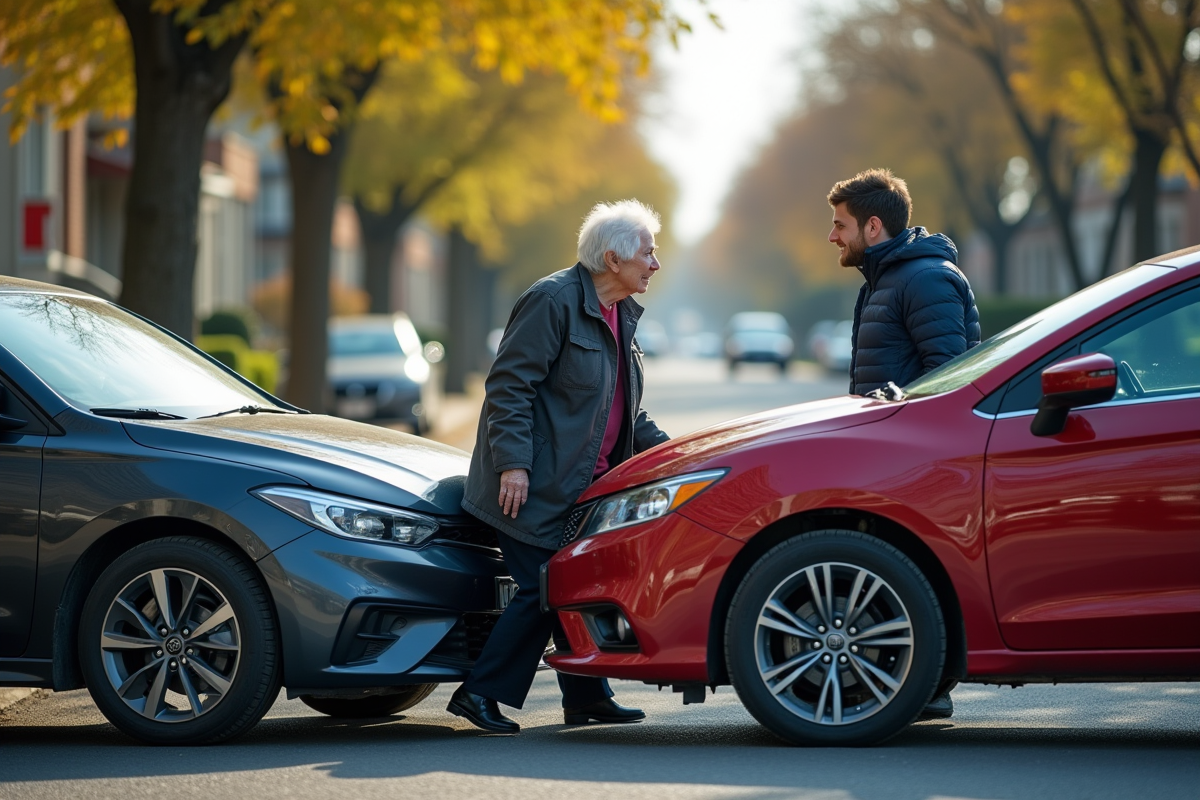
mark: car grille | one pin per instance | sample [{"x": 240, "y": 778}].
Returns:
[
  {"x": 471, "y": 533},
  {"x": 574, "y": 523},
  {"x": 465, "y": 641}
]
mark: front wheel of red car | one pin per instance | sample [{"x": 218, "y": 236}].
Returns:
[{"x": 835, "y": 638}]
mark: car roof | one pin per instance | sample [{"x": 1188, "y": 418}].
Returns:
[
  {"x": 10, "y": 284},
  {"x": 1186, "y": 257}
]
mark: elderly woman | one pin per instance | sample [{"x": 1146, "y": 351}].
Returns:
[{"x": 563, "y": 407}]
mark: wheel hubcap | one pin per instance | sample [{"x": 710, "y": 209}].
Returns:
[
  {"x": 152, "y": 621},
  {"x": 834, "y": 643}
]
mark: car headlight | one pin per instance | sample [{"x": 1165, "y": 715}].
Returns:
[
  {"x": 350, "y": 518},
  {"x": 647, "y": 502},
  {"x": 417, "y": 369}
]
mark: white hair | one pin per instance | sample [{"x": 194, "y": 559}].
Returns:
[{"x": 615, "y": 226}]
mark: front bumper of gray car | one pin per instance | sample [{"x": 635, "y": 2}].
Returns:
[{"x": 366, "y": 615}]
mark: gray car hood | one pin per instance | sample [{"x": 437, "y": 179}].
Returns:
[{"x": 337, "y": 455}]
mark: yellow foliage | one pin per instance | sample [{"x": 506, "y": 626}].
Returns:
[{"x": 74, "y": 55}]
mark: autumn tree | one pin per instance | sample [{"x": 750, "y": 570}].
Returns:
[
  {"x": 482, "y": 151},
  {"x": 319, "y": 57},
  {"x": 1125, "y": 72},
  {"x": 141, "y": 58},
  {"x": 990, "y": 31},
  {"x": 941, "y": 102}
]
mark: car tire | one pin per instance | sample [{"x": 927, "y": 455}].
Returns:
[
  {"x": 216, "y": 669},
  {"x": 809, "y": 673},
  {"x": 376, "y": 705}
]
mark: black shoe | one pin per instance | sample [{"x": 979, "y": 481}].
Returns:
[
  {"x": 480, "y": 711},
  {"x": 603, "y": 711},
  {"x": 940, "y": 707}
]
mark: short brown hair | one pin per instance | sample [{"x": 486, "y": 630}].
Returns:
[{"x": 875, "y": 193}]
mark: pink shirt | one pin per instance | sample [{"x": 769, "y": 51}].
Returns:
[{"x": 617, "y": 414}]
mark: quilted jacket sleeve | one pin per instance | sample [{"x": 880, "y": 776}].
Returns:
[{"x": 934, "y": 308}]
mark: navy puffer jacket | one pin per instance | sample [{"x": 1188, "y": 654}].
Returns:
[{"x": 915, "y": 312}]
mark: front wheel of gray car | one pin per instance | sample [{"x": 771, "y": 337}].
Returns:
[
  {"x": 178, "y": 643},
  {"x": 376, "y": 705},
  {"x": 835, "y": 638}
]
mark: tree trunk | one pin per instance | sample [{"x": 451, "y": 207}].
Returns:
[
  {"x": 179, "y": 86},
  {"x": 1001, "y": 239},
  {"x": 314, "y": 180},
  {"x": 314, "y": 195},
  {"x": 380, "y": 233},
  {"x": 1147, "y": 156},
  {"x": 469, "y": 297}
]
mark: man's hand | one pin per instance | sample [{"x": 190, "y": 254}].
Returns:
[{"x": 514, "y": 490}]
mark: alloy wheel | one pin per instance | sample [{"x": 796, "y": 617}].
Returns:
[
  {"x": 833, "y": 643},
  {"x": 170, "y": 645}
]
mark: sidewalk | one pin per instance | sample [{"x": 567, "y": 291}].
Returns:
[
  {"x": 10, "y": 697},
  {"x": 457, "y": 416}
]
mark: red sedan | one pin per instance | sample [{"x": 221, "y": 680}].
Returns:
[{"x": 1028, "y": 512}]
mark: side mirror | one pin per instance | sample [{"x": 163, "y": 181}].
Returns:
[{"x": 1078, "y": 381}]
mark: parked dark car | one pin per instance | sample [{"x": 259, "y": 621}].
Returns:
[
  {"x": 1028, "y": 512},
  {"x": 378, "y": 369},
  {"x": 183, "y": 543},
  {"x": 758, "y": 336}
]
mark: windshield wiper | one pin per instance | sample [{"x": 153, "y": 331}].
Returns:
[
  {"x": 134, "y": 413},
  {"x": 248, "y": 410}
]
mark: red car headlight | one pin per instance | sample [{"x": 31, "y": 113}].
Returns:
[{"x": 647, "y": 502}]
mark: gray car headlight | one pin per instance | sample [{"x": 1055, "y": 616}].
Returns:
[
  {"x": 348, "y": 517},
  {"x": 647, "y": 502}
]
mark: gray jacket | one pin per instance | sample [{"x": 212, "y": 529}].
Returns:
[{"x": 549, "y": 394}]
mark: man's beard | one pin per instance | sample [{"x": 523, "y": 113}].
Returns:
[{"x": 856, "y": 251}]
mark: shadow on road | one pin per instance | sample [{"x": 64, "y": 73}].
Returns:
[{"x": 716, "y": 746}]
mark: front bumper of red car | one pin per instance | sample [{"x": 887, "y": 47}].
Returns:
[{"x": 637, "y": 603}]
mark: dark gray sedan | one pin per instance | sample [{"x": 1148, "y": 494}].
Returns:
[{"x": 183, "y": 544}]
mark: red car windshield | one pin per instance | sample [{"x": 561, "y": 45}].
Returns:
[{"x": 958, "y": 372}]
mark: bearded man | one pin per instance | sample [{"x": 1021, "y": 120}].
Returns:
[{"x": 915, "y": 310}]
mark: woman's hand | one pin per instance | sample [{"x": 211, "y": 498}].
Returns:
[{"x": 514, "y": 490}]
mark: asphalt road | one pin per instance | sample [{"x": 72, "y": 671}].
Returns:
[
  {"x": 1066, "y": 743},
  {"x": 1082, "y": 741}
]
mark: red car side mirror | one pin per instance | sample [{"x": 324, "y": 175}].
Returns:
[{"x": 1078, "y": 381}]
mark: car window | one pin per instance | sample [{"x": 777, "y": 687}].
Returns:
[
  {"x": 96, "y": 355},
  {"x": 364, "y": 343},
  {"x": 349, "y": 339},
  {"x": 981, "y": 359},
  {"x": 1157, "y": 351}
]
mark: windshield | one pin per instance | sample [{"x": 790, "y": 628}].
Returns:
[
  {"x": 97, "y": 356},
  {"x": 958, "y": 372}
]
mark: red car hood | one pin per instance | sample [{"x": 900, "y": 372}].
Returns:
[{"x": 704, "y": 449}]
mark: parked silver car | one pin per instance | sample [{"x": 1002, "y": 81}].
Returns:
[
  {"x": 762, "y": 336},
  {"x": 377, "y": 369}
]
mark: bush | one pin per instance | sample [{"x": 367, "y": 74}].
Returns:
[
  {"x": 257, "y": 366},
  {"x": 229, "y": 323},
  {"x": 1000, "y": 313}
]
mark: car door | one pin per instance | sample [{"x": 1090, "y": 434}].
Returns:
[
  {"x": 1093, "y": 535},
  {"x": 20, "y": 489}
]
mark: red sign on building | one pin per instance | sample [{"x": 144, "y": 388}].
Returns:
[{"x": 35, "y": 225}]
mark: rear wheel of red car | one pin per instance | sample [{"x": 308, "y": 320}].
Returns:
[
  {"x": 376, "y": 705},
  {"x": 835, "y": 638}
]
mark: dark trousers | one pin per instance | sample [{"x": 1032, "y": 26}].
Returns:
[{"x": 509, "y": 661}]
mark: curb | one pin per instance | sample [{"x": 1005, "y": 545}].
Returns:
[{"x": 11, "y": 697}]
